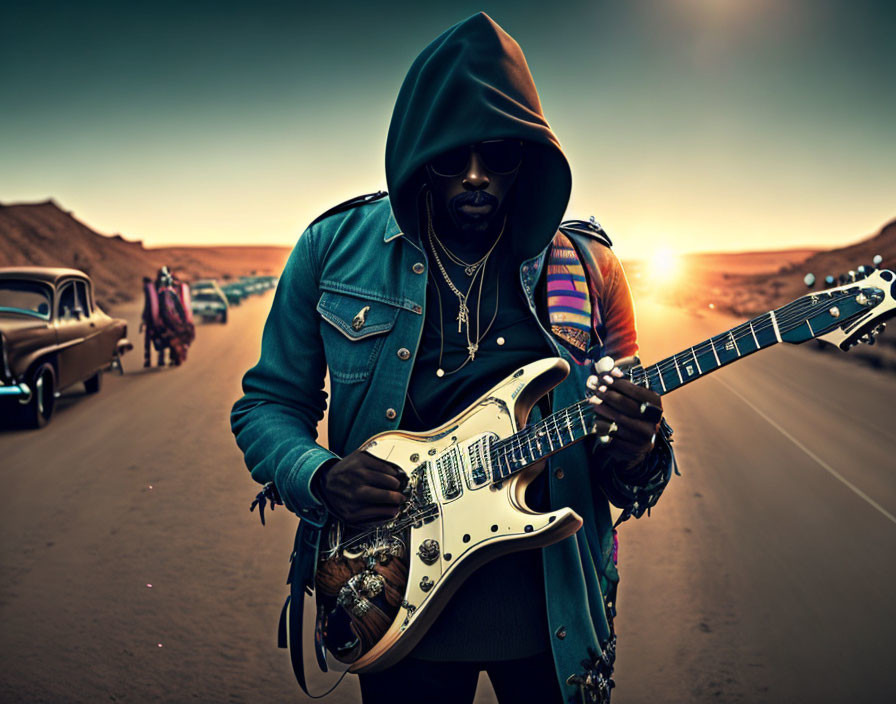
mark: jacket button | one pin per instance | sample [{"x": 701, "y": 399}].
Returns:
[
  {"x": 561, "y": 632},
  {"x": 418, "y": 268},
  {"x": 559, "y": 473},
  {"x": 404, "y": 353},
  {"x": 390, "y": 413}
]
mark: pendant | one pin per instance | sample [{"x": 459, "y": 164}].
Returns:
[
  {"x": 470, "y": 270},
  {"x": 463, "y": 316},
  {"x": 472, "y": 348},
  {"x": 440, "y": 373}
]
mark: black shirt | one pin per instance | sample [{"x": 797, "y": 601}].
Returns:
[{"x": 477, "y": 624}]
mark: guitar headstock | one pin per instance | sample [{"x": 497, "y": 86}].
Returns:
[{"x": 846, "y": 315}]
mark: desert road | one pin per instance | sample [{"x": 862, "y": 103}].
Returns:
[{"x": 131, "y": 569}]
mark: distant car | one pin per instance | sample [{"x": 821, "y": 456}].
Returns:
[
  {"x": 206, "y": 285},
  {"x": 251, "y": 284},
  {"x": 52, "y": 336},
  {"x": 210, "y": 304},
  {"x": 234, "y": 292}
]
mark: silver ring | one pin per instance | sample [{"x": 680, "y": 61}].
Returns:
[{"x": 644, "y": 407}]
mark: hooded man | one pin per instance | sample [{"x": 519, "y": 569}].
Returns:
[{"x": 417, "y": 304}]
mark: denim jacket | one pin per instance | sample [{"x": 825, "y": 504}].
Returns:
[{"x": 359, "y": 260}]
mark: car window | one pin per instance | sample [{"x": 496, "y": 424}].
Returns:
[
  {"x": 67, "y": 301},
  {"x": 83, "y": 297},
  {"x": 27, "y": 297}
]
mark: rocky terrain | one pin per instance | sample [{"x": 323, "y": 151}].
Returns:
[{"x": 44, "y": 234}]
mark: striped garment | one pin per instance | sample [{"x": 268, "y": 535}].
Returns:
[{"x": 569, "y": 303}]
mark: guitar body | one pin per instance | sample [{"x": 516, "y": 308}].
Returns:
[{"x": 379, "y": 590}]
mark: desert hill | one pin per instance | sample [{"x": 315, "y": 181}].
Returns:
[{"x": 43, "y": 234}]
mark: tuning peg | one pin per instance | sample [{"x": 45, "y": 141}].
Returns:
[
  {"x": 829, "y": 280},
  {"x": 843, "y": 278},
  {"x": 877, "y": 260},
  {"x": 852, "y": 274},
  {"x": 809, "y": 280}
]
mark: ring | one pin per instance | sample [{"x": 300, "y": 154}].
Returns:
[
  {"x": 613, "y": 428},
  {"x": 644, "y": 407}
]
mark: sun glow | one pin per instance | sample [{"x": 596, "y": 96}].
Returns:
[{"x": 663, "y": 265}]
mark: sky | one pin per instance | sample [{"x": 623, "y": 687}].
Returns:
[{"x": 693, "y": 125}]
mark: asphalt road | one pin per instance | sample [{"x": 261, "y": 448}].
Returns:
[{"x": 764, "y": 575}]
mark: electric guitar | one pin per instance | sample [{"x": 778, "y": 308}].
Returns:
[{"x": 379, "y": 588}]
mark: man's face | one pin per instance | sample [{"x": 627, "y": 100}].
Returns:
[{"x": 470, "y": 184}]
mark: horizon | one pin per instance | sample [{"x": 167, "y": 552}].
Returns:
[
  {"x": 246, "y": 245},
  {"x": 696, "y": 125}
]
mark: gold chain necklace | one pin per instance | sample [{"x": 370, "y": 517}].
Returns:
[
  {"x": 463, "y": 316},
  {"x": 469, "y": 269}
]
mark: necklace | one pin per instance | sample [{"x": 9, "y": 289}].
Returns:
[
  {"x": 469, "y": 269},
  {"x": 463, "y": 316}
]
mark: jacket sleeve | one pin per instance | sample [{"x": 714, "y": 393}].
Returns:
[
  {"x": 636, "y": 489},
  {"x": 275, "y": 422}
]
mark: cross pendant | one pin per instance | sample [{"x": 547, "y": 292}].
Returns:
[
  {"x": 471, "y": 350},
  {"x": 463, "y": 317}
]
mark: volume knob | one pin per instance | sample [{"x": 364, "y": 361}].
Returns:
[{"x": 428, "y": 551}]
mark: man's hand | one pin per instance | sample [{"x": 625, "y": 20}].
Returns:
[
  {"x": 361, "y": 488},
  {"x": 635, "y": 412}
]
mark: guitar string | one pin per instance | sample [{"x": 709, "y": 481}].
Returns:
[
  {"x": 791, "y": 319},
  {"x": 785, "y": 324}
]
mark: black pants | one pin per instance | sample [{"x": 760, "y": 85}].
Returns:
[{"x": 426, "y": 682}]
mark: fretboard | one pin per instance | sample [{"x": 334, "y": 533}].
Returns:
[
  {"x": 573, "y": 423},
  {"x": 690, "y": 364},
  {"x": 797, "y": 321}
]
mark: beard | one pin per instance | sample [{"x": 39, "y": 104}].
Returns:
[{"x": 474, "y": 222}]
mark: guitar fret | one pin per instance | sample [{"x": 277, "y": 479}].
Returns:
[
  {"x": 733, "y": 342},
  {"x": 699, "y": 370},
  {"x": 775, "y": 325},
  {"x": 677, "y": 369},
  {"x": 713, "y": 348}
]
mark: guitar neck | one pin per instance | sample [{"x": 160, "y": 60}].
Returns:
[
  {"x": 573, "y": 423},
  {"x": 684, "y": 367}
]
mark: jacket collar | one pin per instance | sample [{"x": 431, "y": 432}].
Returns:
[{"x": 392, "y": 230}]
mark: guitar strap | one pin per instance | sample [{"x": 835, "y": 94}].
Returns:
[{"x": 289, "y": 631}]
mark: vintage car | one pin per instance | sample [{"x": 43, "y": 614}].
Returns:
[
  {"x": 52, "y": 335},
  {"x": 210, "y": 304}
]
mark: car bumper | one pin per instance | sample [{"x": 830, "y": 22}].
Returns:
[{"x": 21, "y": 391}]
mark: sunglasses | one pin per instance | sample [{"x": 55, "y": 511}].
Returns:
[{"x": 500, "y": 156}]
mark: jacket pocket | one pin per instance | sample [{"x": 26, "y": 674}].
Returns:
[{"x": 353, "y": 330}]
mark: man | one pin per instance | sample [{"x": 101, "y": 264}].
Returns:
[{"x": 418, "y": 304}]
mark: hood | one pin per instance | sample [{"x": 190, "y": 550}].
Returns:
[{"x": 473, "y": 84}]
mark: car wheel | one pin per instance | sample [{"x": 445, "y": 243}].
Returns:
[
  {"x": 38, "y": 410},
  {"x": 94, "y": 383},
  {"x": 224, "y": 317}
]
